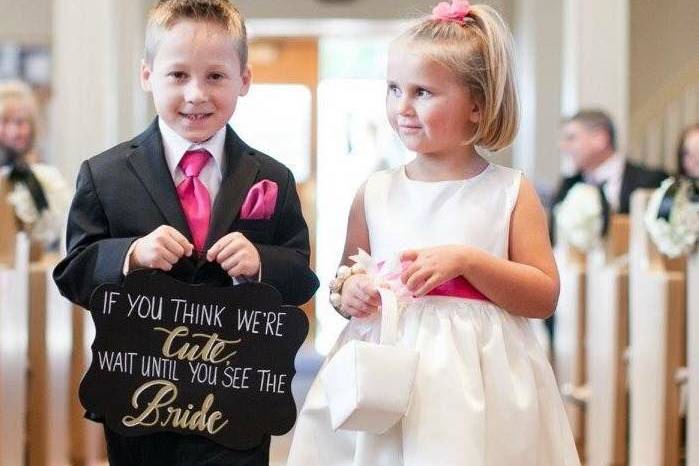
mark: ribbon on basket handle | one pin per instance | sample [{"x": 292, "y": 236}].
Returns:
[{"x": 385, "y": 276}]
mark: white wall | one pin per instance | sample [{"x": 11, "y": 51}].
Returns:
[
  {"x": 373, "y": 9},
  {"x": 26, "y": 21}
]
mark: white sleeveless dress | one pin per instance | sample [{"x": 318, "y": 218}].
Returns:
[{"x": 484, "y": 393}]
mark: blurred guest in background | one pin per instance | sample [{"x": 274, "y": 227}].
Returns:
[
  {"x": 19, "y": 119},
  {"x": 589, "y": 138},
  {"x": 37, "y": 192},
  {"x": 688, "y": 153}
]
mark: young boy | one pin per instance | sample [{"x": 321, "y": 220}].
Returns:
[{"x": 171, "y": 199}]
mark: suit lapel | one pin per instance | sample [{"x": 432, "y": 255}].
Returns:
[
  {"x": 240, "y": 172},
  {"x": 148, "y": 161}
]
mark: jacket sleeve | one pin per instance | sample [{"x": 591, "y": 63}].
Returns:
[
  {"x": 286, "y": 262},
  {"x": 93, "y": 256}
]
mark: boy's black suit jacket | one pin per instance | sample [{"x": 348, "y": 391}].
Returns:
[{"x": 128, "y": 191}]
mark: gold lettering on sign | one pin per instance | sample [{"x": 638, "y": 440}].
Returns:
[
  {"x": 210, "y": 352},
  {"x": 199, "y": 420}
]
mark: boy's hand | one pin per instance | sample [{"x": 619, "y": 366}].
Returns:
[
  {"x": 160, "y": 249},
  {"x": 360, "y": 298},
  {"x": 237, "y": 256},
  {"x": 431, "y": 267}
]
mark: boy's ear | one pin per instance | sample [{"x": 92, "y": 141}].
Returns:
[
  {"x": 145, "y": 76},
  {"x": 246, "y": 76}
]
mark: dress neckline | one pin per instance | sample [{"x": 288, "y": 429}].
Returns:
[{"x": 464, "y": 181}]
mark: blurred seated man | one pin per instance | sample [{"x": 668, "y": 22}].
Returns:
[{"x": 589, "y": 138}]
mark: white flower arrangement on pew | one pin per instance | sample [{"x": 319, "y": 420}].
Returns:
[
  {"x": 47, "y": 226},
  {"x": 672, "y": 218},
  {"x": 580, "y": 217}
]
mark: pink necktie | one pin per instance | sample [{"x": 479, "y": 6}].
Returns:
[{"x": 194, "y": 196}]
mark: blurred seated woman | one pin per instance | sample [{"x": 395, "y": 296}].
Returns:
[
  {"x": 38, "y": 193},
  {"x": 688, "y": 153},
  {"x": 672, "y": 214}
]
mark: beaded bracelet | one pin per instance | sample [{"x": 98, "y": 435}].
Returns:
[{"x": 342, "y": 274}]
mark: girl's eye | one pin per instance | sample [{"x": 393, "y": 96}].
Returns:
[
  {"x": 423, "y": 93},
  {"x": 393, "y": 89}
]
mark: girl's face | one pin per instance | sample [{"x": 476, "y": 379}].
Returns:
[
  {"x": 430, "y": 110},
  {"x": 690, "y": 161},
  {"x": 16, "y": 127}
]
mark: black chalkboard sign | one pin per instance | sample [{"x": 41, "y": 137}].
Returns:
[{"x": 193, "y": 359}]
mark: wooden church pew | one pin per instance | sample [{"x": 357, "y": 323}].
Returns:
[
  {"x": 692, "y": 416},
  {"x": 49, "y": 368},
  {"x": 606, "y": 336},
  {"x": 87, "y": 447},
  {"x": 14, "y": 264},
  {"x": 657, "y": 319},
  {"x": 569, "y": 341}
]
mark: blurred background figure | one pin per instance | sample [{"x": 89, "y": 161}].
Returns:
[
  {"x": 38, "y": 192},
  {"x": 19, "y": 119},
  {"x": 688, "y": 152},
  {"x": 589, "y": 139}
]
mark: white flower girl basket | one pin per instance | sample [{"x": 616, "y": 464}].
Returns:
[{"x": 368, "y": 385}]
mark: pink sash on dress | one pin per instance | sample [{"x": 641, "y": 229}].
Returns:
[{"x": 458, "y": 287}]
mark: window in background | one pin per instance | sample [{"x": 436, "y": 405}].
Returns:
[
  {"x": 354, "y": 140},
  {"x": 276, "y": 119}
]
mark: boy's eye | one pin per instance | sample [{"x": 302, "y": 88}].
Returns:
[
  {"x": 423, "y": 93},
  {"x": 177, "y": 75},
  {"x": 393, "y": 90},
  {"x": 216, "y": 76}
]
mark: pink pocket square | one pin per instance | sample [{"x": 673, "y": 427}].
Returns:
[{"x": 260, "y": 201}]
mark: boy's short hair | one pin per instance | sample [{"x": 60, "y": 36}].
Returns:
[
  {"x": 166, "y": 13},
  {"x": 594, "y": 119}
]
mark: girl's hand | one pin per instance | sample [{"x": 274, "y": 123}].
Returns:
[
  {"x": 431, "y": 267},
  {"x": 360, "y": 298}
]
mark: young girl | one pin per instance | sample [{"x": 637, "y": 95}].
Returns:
[{"x": 473, "y": 242}]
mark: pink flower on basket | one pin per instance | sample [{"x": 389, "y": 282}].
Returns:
[
  {"x": 384, "y": 274},
  {"x": 260, "y": 201},
  {"x": 457, "y": 11}
]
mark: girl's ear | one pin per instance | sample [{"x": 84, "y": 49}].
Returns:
[{"x": 475, "y": 113}]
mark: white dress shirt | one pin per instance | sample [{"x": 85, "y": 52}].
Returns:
[
  {"x": 610, "y": 172},
  {"x": 175, "y": 147}
]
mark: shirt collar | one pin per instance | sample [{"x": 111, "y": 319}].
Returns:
[
  {"x": 609, "y": 169},
  {"x": 175, "y": 146}
]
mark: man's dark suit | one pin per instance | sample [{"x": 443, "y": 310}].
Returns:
[
  {"x": 634, "y": 177},
  {"x": 126, "y": 193}
]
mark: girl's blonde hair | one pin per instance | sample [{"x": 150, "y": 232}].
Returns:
[
  {"x": 166, "y": 13},
  {"x": 20, "y": 93},
  {"x": 479, "y": 50}
]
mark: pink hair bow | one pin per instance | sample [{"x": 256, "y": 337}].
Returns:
[{"x": 457, "y": 11}]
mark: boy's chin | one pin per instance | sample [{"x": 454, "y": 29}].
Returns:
[{"x": 196, "y": 135}]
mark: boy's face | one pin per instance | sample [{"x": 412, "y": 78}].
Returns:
[{"x": 195, "y": 79}]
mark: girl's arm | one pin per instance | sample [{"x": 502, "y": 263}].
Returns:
[
  {"x": 359, "y": 296},
  {"x": 527, "y": 284},
  {"x": 357, "y": 230}
]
